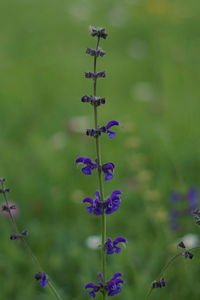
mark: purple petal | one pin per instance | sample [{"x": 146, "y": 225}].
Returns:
[
  {"x": 87, "y": 170},
  {"x": 100, "y": 275},
  {"x": 43, "y": 282},
  {"x": 92, "y": 294},
  {"x": 119, "y": 240},
  {"x": 97, "y": 193},
  {"x": 108, "y": 166},
  {"x": 117, "y": 274},
  {"x": 117, "y": 249},
  {"x": 108, "y": 176},
  {"x": 119, "y": 280},
  {"x": 90, "y": 285},
  {"x": 116, "y": 192},
  {"x": 98, "y": 211},
  {"x": 112, "y": 123},
  {"x": 111, "y": 134},
  {"x": 88, "y": 199},
  {"x": 80, "y": 160},
  {"x": 89, "y": 209}
]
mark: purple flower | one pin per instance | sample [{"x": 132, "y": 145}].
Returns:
[
  {"x": 108, "y": 170},
  {"x": 110, "y": 124},
  {"x": 113, "y": 202},
  {"x": 90, "y": 165},
  {"x": 95, "y": 205},
  {"x": 42, "y": 277},
  {"x": 192, "y": 199},
  {"x": 95, "y": 287},
  {"x": 111, "y": 246},
  {"x": 175, "y": 196},
  {"x": 113, "y": 286}
]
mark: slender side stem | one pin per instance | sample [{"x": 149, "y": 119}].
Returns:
[
  {"x": 26, "y": 245},
  {"x": 168, "y": 263},
  {"x": 98, "y": 152}
]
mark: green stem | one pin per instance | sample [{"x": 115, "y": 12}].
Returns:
[
  {"x": 98, "y": 153},
  {"x": 26, "y": 245},
  {"x": 166, "y": 267}
]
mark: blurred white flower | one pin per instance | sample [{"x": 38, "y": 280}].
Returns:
[
  {"x": 58, "y": 140},
  {"x": 81, "y": 10},
  {"x": 118, "y": 16},
  {"x": 93, "y": 242},
  {"x": 76, "y": 124},
  {"x": 143, "y": 91},
  {"x": 190, "y": 240},
  {"x": 138, "y": 49}
]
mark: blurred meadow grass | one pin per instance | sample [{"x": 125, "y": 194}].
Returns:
[{"x": 152, "y": 88}]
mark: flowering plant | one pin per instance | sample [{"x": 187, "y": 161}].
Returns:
[{"x": 101, "y": 206}]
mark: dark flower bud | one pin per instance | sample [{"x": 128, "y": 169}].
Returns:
[
  {"x": 158, "y": 284},
  {"x": 85, "y": 98},
  {"x": 99, "y": 32},
  {"x": 14, "y": 236},
  {"x": 5, "y": 207},
  {"x": 92, "y": 75},
  {"x": 93, "y": 132},
  {"x": 94, "y": 52},
  {"x": 89, "y": 75},
  {"x": 38, "y": 275},
  {"x": 196, "y": 215},
  {"x": 188, "y": 254},
  {"x": 100, "y": 74},
  {"x": 24, "y": 232},
  {"x": 93, "y": 100},
  {"x": 181, "y": 245},
  {"x": 2, "y": 179},
  {"x": 102, "y": 100},
  {"x": 4, "y": 190}
]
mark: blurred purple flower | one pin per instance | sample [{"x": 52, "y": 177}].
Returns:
[
  {"x": 42, "y": 277},
  {"x": 106, "y": 128},
  {"x": 108, "y": 170},
  {"x": 96, "y": 204},
  {"x": 90, "y": 165},
  {"x": 111, "y": 246},
  {"x": 113, "y": 286},
  {"x": 113, "y": 202},
  {"x": 95, "y": 287},
  {"x": 192, "y": 196}
]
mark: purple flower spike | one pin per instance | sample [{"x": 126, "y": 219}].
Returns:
[
  {"x": 113, "y": 286},
  {"x": 42, "y": 277},
  {"x": 113, "y": 202},
  {"x": 111, "y": 246},
  {"x": 108, "y": 170},
  {"x": 90, "y": 165},
  {"x": 96, "y": 204},
  {"x": 110, "y": 124}
]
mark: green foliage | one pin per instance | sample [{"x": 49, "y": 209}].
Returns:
[{"x": 152, "y": 88}]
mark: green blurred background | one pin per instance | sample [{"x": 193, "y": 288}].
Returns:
[{"x": 152, "y": 88}]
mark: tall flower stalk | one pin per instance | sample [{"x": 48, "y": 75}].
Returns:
[
  {"x": 10, "y": 209},
  {"x": 101, "y": 206}
]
